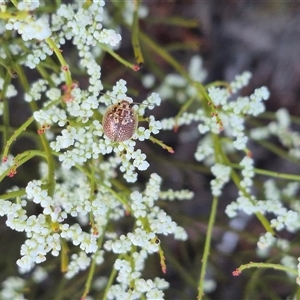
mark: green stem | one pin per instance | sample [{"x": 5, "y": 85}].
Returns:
[
  {"x": 184, "y": 273},
  {"x": 31, "y": 153},
  {"x": 19, "y": 15},
  {"x": 20, "y": 159},
  {"x": 173, "y": 62},
  {"x": 15, "y": 3},
  {"x": 267, "y": 266},
  {"x": 92, "y": 268},
  {"x": 22, "y": 128},
  {"x": 175, "y": 21},
  {"x": 64, "y": 258},
  {"x": 271, "y": 173},
  {"x": 183, "y": 108},
  {"x": 117, "y": 57},
  {"x": 14, "y": 194},
  {"x": 179, "y": 46},
  {"x": 135, "y": 35},
  {"x": 162, "y": 144},
  {"x": 221, "y": 157},
  {"x": 22, "y": 78},
  {"x": 87, "y": 4},
  {"x": 9, "y": 66},
  {"x": 110, "y": 280},
  {"x": 263, "y": 220},
  {"x": 218, "y": 83},
  {"x": 48, "y": 153},
  {"x": 165, "y": 55},
  {"x": 5, "y": 108},
  {"x": 271, "y": 116},
  {"x": 62, "y": 61},
  {"x": 109, "y": 189},
  {"x": 51, "y": 166},
  {"x": 207, "y": 245},
  {"x": 278, "y": 151},
  {"x": 90, "y": 277},
  {"x": 45, "y": 75}
]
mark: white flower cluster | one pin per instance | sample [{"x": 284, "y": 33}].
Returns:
[
  {"x": 79, "y": 199},
  {"x": 30, "y": 28},
  {"x": 205, "y": 149},
  {"x": 240, "y": 81},
  {"x": 12, "y": 288},
  {"x": 145, "y": 238},
  {"x": 35, "y": 248},
  {"x": 71, "y": 198},
  {"x": 176, "y": 195},
  {"x": 231, "y": 112},
  {"x": 265, "y": 244},
  {"x": 83, "y": 142},
  {"x": 282, "y": 129},
  {"x": 50, "y": 114},
  {"x": 143, "y": 206},
  {"x": 130, "y": 285},
  {"x": 39, "y": 274},
  {"x": 222, "y": 174},
  {"x": 82, "y": 105},
  {"x": 8, "y": 163},
  {"x": 176, "y": 87},
  {"x": 85, "y": 26},
  {"x": 247, "y": 164},
  {"x": 128, "y": 10},
  {"x": 289, "y": 262},
  {"x": 28, "y": 5},
  {"x": 39, "y": 52},
  {"x": 10, "y": 92},
  {"x": 36, "y": 90},
  {"x": 185, "y": 119},
  {"x": 266, "y": 241},
  {"x": 117, "y": 94},
  {"x": 285, "y": 218},
  {"x": 79, "y": 262}
]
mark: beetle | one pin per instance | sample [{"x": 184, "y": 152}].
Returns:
[{"x": 120, "y": 121}]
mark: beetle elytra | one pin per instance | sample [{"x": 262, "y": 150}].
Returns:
[{"x": 120, "y": 121}]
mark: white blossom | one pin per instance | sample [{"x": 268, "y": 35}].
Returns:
[
  {"x": 222, "y": 174},
  {"x": 12, "y": 288}
]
